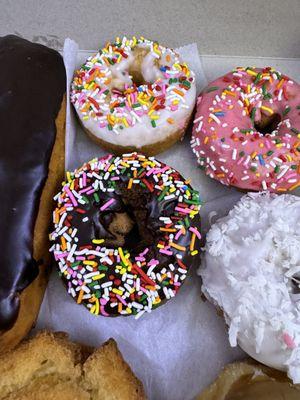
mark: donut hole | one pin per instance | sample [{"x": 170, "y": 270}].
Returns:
[
  {"x": 135, "y": 68},
  {"x": 267, "y": 123}
]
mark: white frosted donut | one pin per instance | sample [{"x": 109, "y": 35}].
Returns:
[
  {"x": 134, "y": 93},
  {"x": 251, "y": 270}
]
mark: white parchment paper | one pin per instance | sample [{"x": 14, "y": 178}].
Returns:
[{"x": 179, "y": 348}]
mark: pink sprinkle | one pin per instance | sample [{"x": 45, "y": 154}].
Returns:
[
  {"x": 71, "y": 196},
  {"x": 153, "y": 262},
  {"x": 178, "y": 234},
  {"x": 85, "y": 189},
  {"x": 195, "y": 231},
  {"x": 167, "y": 252},
  {"x": 288, "y": 340},
  {"x": 103, "y": 302},
  {"x": 121, "y": 299},
  {"x": 57, "y": 256},
  {"x": 183, "y": 210},
  {"x": 103, "y": 312},
  {"x": 107, "y": 204}
]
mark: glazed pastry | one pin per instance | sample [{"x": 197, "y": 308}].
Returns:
[
  {"x": 251, "y": 271},
  {"x": 126, "y": 231},
  {"x": 134, "y": 95},
  {"x": 250, "y": 381},
  {"x": 32, "y": 84},
  {"x": 247, "y": 129}
]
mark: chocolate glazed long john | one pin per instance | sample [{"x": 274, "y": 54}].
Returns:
[{"x": 32, "y": 85}]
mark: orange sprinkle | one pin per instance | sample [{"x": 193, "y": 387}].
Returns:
[
  {"x": 80, "y": 296},
  {"x": 170, "y": 120},
  {"x": 178, "y": 92},
  {"x": 177, "y": 246},
  {"x": 130, "y": 183},
  {"x": 167, "y": 229},
  {"x": 295, "y": 186},
  {"x": 279, "y": 84},
  {"x": 63, "y": 243},
  {"x": 192, "y": 244}
]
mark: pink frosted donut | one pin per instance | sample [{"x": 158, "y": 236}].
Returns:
[{"x": 247, "y": 130}]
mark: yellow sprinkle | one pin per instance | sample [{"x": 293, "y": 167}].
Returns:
[
  {"x": 89, "y": 262},
  {"x": 254, "y": 154},
  {"x": 120, "y": 250},
  {"x": 85, "y": 117},
  {"x": 98, "y": 277},
  {"x": 122, "y": 271},
  {"x": 156, "y": 300},
  {"x": 268, "y": 109},
  {"x": 193, "y": 253},
  {"x": 249, "y": 72},
  {"x": 160, "y": 246},
  {"x": 98, "y": 241},
  {"x": 117, "y": 291},
  {"x": 128, "y": 310}
]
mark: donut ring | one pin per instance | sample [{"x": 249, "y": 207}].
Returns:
[
  {"x": 125, "y": 234},
  {"x": 251, "y": 271},
  {"x": 134, "y": 95},
  {"x": 247, "y": 130}
]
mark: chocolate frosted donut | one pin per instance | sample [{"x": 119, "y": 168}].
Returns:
[
  {"x": 32, "y": 84},
  {"x": 126, "y": 233}
]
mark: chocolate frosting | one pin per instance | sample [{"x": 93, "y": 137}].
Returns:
[{"x": 32, "y": 84}]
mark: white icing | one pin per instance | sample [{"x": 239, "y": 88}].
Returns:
[
  {"x": 140, "y": 131},
  {"x": 251, "y": 258}
]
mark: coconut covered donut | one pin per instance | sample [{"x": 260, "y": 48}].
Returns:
[
  {"x": 252, "y": 272},
  {"x": 126, "y": 233},
  {"x": 247, "y": 130},
  {"x": 134, "y": 95}
]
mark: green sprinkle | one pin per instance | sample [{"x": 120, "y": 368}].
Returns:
[
  {"x": 96, "y": 197},
  {"x": 153, "y": 123},
  {"x": 258, "y": 77},
  {"x": 286, "y": 110},
  {"x": 276, "y": 169},
  {"x": 241, "y": 153},
  {"x": 253, "y": 169},
  {"x": 294, "y": 130},
  {"x": 294, "y": 166},
  {"x": 270, "y": 152},
  {"x": 252, "y": 115},
  {"x": 212, "y": 89}
]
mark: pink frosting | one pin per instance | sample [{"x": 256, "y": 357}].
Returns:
[{"x": 226, "y": 142}]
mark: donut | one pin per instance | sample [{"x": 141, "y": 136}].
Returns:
[
  {"x": 126, "y": 231},
  {"x": 247, "y": 130},
  {"x": 251, "y": 270},
  {"x": 32, "y": 115},
  {"x": 250, "y": 381},
  {"x": 134, "y": 95}
]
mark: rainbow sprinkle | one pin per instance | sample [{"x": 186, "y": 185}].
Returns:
[
  {"x": 227, "y": 139},
  {"x": 96, "y": 95},
  {"x": 112, "y": 281}
]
